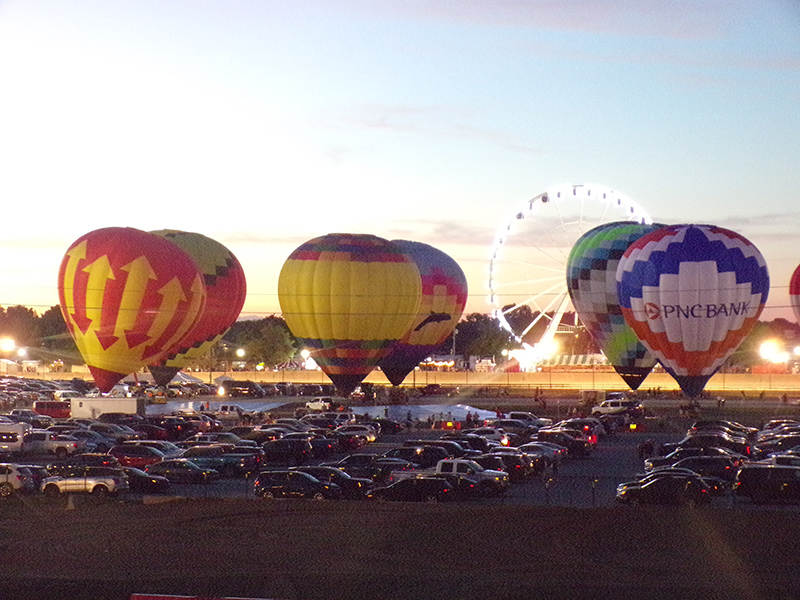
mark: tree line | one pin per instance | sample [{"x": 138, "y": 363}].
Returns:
[{"x": 269, "y": 342}]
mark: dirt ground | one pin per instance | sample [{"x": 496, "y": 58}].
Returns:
[{"x": 354, "y": 551}]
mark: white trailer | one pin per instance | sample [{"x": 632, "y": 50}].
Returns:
[{"x": 90, "y": 408}]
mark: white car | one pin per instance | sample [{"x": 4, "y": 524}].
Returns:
[
  {"x": 320, "y": 404},
  {"x": 12, "y": 479},
  {"x": 491, "y": 433},
  {"x": 367, "y": 432}
]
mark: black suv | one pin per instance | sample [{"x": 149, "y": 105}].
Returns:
[
  {"x": 294, "y": 484},
  {"x": 416, "y": 489},
  {"x": 768, "y": 483},
  {"x": 239, "y": 389}
]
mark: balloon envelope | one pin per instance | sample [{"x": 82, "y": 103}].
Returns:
[
  {"x": 444, "y": 295},
  {"x": 348, "y": 298},
  {"x": 127, "y": 296},
  {"x": 592, "y": 284},
  {"x": 226, "y": 289},
  {"x": 692, "y": 293},
  {"x": 794, "y": 293}
]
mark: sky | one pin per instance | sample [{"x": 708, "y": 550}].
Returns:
[{"x": 263, "y": 124}]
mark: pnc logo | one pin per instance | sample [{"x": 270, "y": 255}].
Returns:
[{"x": 652, "y": 310}]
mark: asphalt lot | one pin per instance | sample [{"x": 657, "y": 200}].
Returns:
[{"x": 552, "y": 537}]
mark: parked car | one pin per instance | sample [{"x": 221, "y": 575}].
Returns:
[
  {"x": 130, "y": 455},
  {"x": 87, "y": 459},
  {"x": 616, "y": 406},
  {"x": 168, "y": 449},
  {"x": 99, "y": 481},
  {"x": 118, "y": 433},
  {"x": 287, "y": 451},
  {"x": 665, "y": 488},
  {"x": 223, "y": 458},
  {"x": 146, "y": 483},
  {"x": 181, "y": 470},
  {"x": 577, "y": 444},
  {"x": 294, "y": 484},
  {"x": 50, "y": 442},
  {"x": 353, "y": 488},
  {"x": 763, "y": 482},
  {"x": 415, "y": 489},
  {"x": 240, "y": 389},
  {"x": 365, "y": 431},
  {"x": 681, "y": 453},
  {"x": 723, "y": 467},
  {"x": 13, "y": 478},
  {"x": 422, "y": 456},
  {"x": 320, "y": 404},
  {"x": 93, "y": 439},
  {"x": 370, "y": 466}
]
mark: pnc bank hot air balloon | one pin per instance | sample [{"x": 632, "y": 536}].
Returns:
[
  {"x": 444, "y": 295},
  {"x": 592, "y": 285},
  {"x": 127, "y": 297},
  {"x": 226, "y": 288},
  {"x": 348, "y": 298},
  {"x": 692, "y": 293}
]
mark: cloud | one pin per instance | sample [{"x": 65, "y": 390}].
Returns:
[
  {"x": 658, "y": 18},
  {"x": 438, "y": 122}
]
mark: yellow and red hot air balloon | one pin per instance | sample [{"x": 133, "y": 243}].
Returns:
[
  {"x": 226, "y": 288},
  {"x": 349, "y": 298},
  {"x": 127, "y": 297}
]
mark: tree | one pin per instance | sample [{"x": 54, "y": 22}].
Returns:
[
  {"x": 21, "y": 324},
  {"x": 265, "y": 340},
  {"x": 481, "y": 335}
]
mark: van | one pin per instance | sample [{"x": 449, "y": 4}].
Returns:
[
  {"x": 11, "y": 437},
  {"x": 65, "y": 394}
]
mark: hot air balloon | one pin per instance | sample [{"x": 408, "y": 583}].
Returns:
[
  {"x": 592, "y": 285},
  {"x": 127, "y": 296},
  {"x": 226, "y": 289},
  {"x": 794, "y": 293},
  {"x": 348, "y": 298},
  {"x": 444, "y": 295},
  {"x": 692, "y": 293}
]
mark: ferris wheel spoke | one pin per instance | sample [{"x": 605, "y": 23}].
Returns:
[{"x": 528, "y": 264}]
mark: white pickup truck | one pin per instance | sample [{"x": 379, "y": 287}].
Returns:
[
  {"x": 50, "y": 442},
  {"x": 495, "y": 482}
]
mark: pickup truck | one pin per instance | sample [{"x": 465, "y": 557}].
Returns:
[
  {"x": 50, "y": 442},
  {"x": 490, "y": 481},
  {"x": 226, "y": 461}
]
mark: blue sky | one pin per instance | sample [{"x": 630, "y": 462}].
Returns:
[{"x": 265, "y": 123}]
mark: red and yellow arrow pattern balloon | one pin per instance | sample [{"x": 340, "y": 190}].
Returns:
[
  {"x": 127, "y": 297},
  {"x": 226, "y": 289}
]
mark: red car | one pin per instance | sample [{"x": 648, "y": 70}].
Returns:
[{"x": 130, "y": 455}]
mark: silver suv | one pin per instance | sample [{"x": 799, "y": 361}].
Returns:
[{"x": 99, "y": 481}]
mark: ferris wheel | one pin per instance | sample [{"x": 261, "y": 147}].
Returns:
[{"x": 529, "y": 257}]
